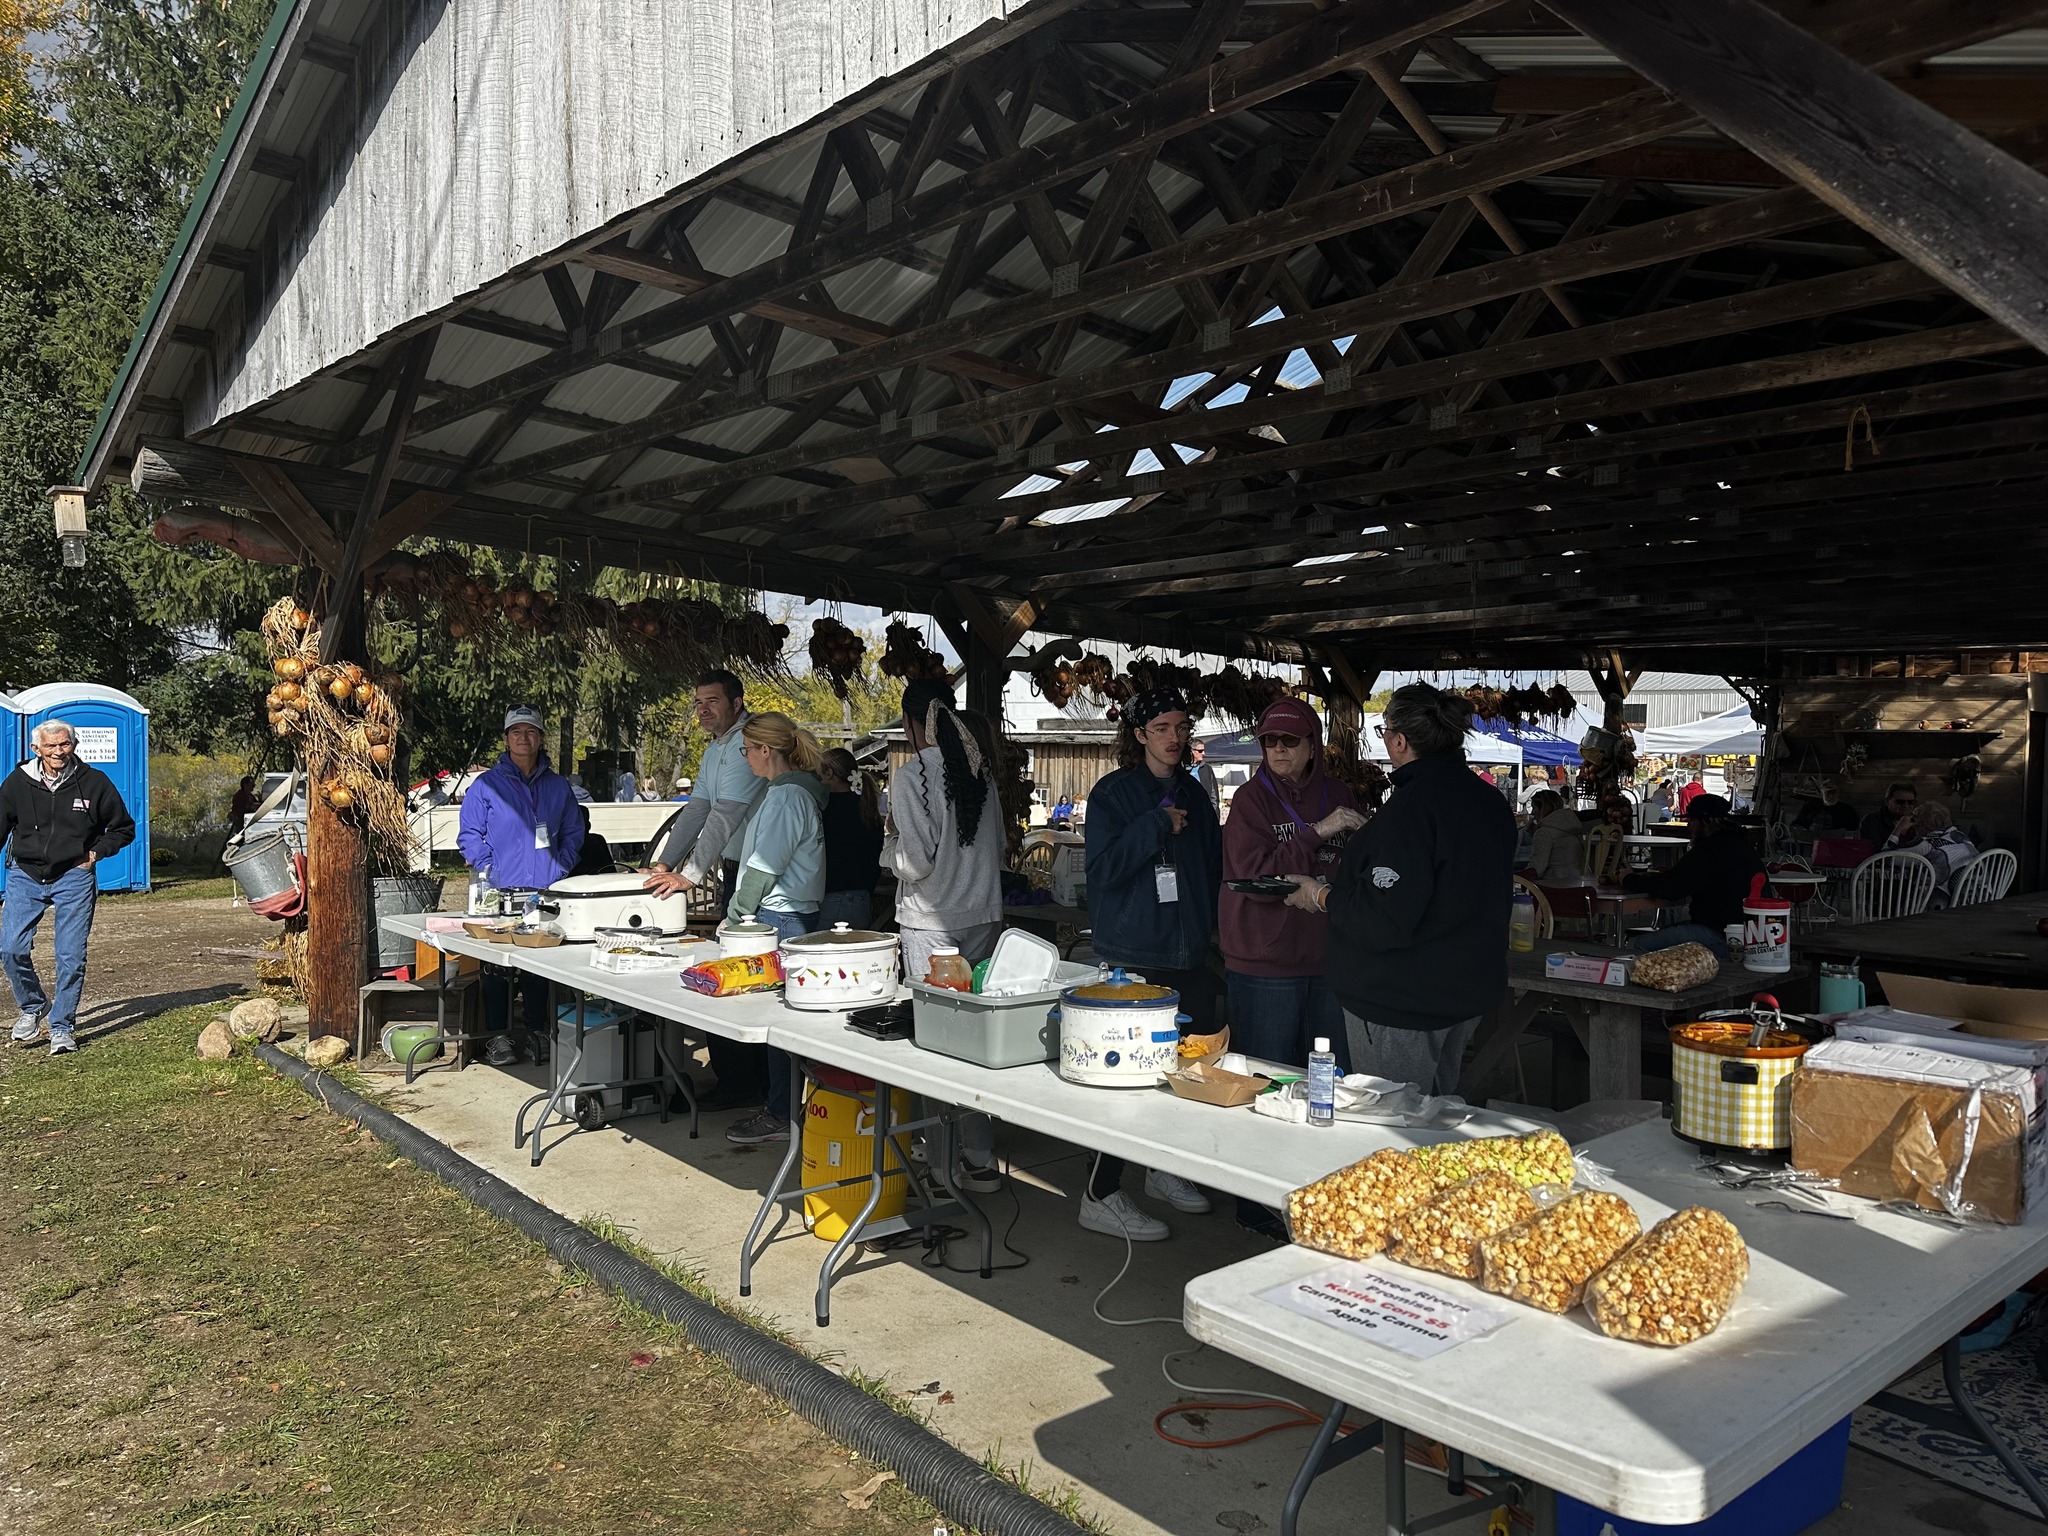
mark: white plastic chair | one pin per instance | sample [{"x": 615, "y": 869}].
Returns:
[
  {"x": 1895, "y": 884},
  {"x": 1987, "y": 877}
]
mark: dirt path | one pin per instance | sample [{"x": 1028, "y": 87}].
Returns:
[{"x": 156, "y": 952}]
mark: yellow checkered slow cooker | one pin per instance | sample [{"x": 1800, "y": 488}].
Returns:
[{"x": 1729, "y": 1093}]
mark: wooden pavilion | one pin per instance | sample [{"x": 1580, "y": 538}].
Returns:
[{"x": 1699, "y": 334}]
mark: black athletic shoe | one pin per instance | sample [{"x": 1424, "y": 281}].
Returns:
[{"x": 501, "y": 1052}]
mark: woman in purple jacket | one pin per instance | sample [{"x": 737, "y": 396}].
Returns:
[{"x": 520, "y": 821}]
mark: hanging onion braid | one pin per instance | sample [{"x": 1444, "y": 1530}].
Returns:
[{"x": 929, "y": 701}]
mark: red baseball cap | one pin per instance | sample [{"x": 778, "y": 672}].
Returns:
[{"x": 1290, "y": 717}]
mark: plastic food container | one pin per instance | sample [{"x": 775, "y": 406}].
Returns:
[
  {"x": 1119, "y": 1032},
  {"x": 1012, "y": 1031},
  {"x": 844, "y": 967}
]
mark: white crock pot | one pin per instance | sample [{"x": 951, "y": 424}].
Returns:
[
  {"x": 746, "y": 937},
  {"x": 1118, "y": 1033},
  {"x": 582, "y": 904},
  {"x": 842, "y": 967}
]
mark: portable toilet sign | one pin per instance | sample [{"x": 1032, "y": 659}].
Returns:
[{"x": 113, "y": 736}]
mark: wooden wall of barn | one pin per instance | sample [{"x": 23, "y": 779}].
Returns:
[
  {"x": 489, "y": 133},
  {"x": 1816, "y": 712}
]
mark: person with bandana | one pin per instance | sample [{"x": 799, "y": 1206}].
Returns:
[
  {"x": 1155, "y": 866},
  {"x": 944, "y": 842}
]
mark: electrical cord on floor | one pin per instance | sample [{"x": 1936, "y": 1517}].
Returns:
[{"x": 1426, "y": 1455}]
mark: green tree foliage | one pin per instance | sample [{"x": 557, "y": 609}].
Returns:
[{"x": 115, "y": 130}]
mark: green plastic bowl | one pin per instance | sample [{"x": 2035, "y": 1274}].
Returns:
[{"x": 401, "y": 1038}]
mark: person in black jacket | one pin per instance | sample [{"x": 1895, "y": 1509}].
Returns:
[
  {"x": 58, "y": 818},
  {"x": 1714, "y": 876},
  {"x": 1419, "y": 904}
]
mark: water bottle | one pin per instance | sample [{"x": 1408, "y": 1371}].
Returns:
[
  {"x": 482, "y": 898},
  {"x": 1522, "y": 923},
  {"x": 1322, "y": 1083}
]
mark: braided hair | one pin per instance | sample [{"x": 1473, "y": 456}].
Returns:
[{"x": 929, "y": 702}]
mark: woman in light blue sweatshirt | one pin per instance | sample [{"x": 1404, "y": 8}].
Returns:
[{"x": 782, "y": 872}]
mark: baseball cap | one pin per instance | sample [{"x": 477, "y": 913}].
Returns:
[
  {"x": 524, "y": 714},
  {"x": 1289, "y": 717}
]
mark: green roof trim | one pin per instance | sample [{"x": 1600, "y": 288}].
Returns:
[{"x": 202, "y": 197}]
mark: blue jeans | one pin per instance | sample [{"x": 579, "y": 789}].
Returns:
[
  {"x": 1277, "y": 1018},
  {"x": 853, "y": 908},
  {"x": 787, "y": 925},
  {"x": 1681, "y": 933},
  {"x": 72, "y": 896}
]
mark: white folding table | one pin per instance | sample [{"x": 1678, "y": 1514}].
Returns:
[{"x": 1833, "y": 1311}]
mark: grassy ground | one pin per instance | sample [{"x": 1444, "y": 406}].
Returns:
[
  {"x": 223, "y": 1309},
  {"x": 171, "y": 885}
]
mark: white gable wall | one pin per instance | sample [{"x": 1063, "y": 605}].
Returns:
[{"x": 499, "y": 131}]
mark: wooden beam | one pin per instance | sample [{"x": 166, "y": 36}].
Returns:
[
  {"x": 1963, "y": 211},
  {"x": 278, "y": 496},
  {"x": 413, "y": 515},
  {"x": 1984, "y": 102},
  {"x": 341, "y": 624}
]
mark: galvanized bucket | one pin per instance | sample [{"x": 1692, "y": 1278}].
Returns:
[
  {"x": 263, "y": 868},
  {"x": 393, "y": 896}
]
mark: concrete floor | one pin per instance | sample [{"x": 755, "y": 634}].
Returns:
[{"x": 1017, "y": 1363}]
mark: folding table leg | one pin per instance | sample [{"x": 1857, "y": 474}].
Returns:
[
  {"x": 799, "y": 1088},
  {"x": 1952, "y": 1378},
  {"x": 948, "y": 1153},
  {"x": 877, "y": 1171},
  {"x": 1394, "y": 1477},
  {"x": 1324, "y": 1454}
]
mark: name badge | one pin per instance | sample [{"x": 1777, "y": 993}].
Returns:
[
  {"x": 540, "y": 835},
  {"x": 1167, "y": 880}
]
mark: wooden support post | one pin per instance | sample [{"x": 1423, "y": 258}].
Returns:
[{"x": 340, "y": 926}]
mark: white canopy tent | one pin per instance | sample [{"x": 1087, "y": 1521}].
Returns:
[
  {"x": 1733, "y": 733},
  {"x": 1479, "y": 747}
]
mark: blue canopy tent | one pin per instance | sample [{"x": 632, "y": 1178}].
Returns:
[{"x": 1540, "y": 748}]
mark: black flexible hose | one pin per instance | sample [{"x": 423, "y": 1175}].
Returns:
[{"x": 928, "y": 1466}]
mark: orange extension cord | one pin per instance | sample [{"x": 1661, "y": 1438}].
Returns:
[{"x": 1420, "y": 1453}]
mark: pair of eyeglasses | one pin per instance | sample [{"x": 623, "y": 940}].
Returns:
[
  {"x": 1284, "y": 743},
  {"x": 1380, "y": 731}
]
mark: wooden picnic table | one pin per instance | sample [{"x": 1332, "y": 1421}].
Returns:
[
  {"x": 1609, "y": 1020},
  {"x": 1994, "y": 941}
]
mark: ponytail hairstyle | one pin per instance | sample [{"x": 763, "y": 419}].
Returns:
[
  {"x": 841, "y": 765},
  {"x": 1435, "y": 722},
  {"x": 929, "y": 702},
  {"x": 786, "y": 737}
]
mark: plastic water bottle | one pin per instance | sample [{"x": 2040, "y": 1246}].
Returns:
[
  {"x": 482, "y": 896},
  {"x": 1522, "y": 923},
  {"x": 1322, "y": 1083}
]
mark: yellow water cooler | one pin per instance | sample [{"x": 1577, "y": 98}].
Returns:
[{"x": 839, "y": 1143}]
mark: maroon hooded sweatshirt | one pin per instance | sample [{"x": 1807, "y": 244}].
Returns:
[{"x": 1271, "y": 831}]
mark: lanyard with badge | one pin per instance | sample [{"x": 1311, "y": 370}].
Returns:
[{"x": 1166, "y": 879}]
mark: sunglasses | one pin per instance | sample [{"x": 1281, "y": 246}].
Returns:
[{"x": 1284, "y": 743}]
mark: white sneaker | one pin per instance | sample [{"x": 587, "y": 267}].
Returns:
[
  {"x": 1175, "y": 1191},
  {"x": 27, "y": 1028},
  {"x": 1120, "y": 1216}
]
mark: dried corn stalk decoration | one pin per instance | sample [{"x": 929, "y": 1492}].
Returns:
[{"x": 344, "y": 724}]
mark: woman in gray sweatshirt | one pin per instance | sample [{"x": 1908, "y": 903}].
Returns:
[{"x": 945, "y": 843}]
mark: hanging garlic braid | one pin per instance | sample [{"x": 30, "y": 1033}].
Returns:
[{"x": 929, "y": 701}]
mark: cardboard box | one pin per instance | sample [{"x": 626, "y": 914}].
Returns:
[
  {"x": 426, "y": 962},
  {"x": 2001, "y": 1013},
  {"x": 1902, "y": 1138},
  {"x": 1601, "y": 970}
]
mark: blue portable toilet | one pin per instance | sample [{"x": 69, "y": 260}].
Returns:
[
  {"x": 113, "y": 736},
  {"x": 13, "y": 749}
]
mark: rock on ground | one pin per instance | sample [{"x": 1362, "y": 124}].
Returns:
[{"x": 216, "y": 1042}]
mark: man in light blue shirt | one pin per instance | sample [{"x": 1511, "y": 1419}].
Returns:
[
  {"x": 725, "y": 790},
  {"x": 701, "y": 846}
]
